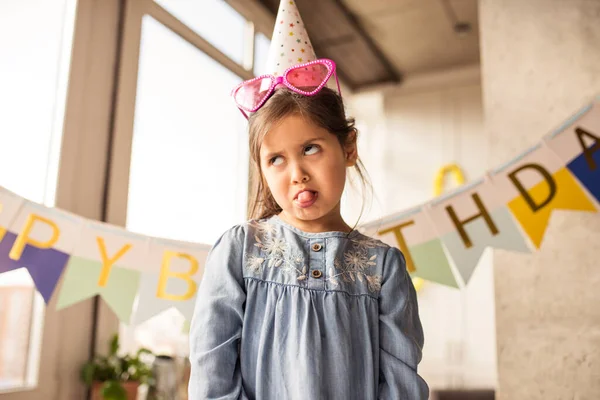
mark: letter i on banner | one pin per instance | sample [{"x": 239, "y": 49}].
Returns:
[
  {"x": 412, "y": 232},
  {"x": 170, "y": 279},
  {"x": 535, "y": 184},
  {"x": 472, "y": 218},
  {"x": 41, "y": 240},
  {"x": 107, "y": 261},
  {"x": 577, "y": 144}
]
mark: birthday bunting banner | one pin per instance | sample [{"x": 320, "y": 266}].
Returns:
[
  {"x": 174, "y": 271},
  {"x": 509, "y": 207},
  {"x": 443, "y": 240},
  {"x": 413, "y": 233},
  {"x": 39, "y": 239},
  {"x": 578, "y": 147},
  {"x": 108, "y": 261},
  {"x": 537, "y": 184},
  {"x": 472, "y": 219}
]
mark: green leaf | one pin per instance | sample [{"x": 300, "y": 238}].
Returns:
[
  {"x": 114, "y": 344},
  {"x": 113, "y": 369},
  {"x": 144, "y": 350},
  {"x": 112, "y": 390},
  {"x": 87, "y": 373}
]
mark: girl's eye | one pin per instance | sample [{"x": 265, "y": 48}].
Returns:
[
  {"x": 311, "y": 149},
  {"x": 277, "y": 160}
]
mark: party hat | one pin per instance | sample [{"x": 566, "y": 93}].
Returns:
[{"x": 290, "y": 44}]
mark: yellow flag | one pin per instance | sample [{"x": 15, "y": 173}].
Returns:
[{"x": 567, "y": 195}]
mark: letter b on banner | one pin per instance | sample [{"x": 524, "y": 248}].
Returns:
[{"x": 166, "y": 273}]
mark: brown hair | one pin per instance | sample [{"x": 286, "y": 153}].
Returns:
[{"x": 325, "y": 109}]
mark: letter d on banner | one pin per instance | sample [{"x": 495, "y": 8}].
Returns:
[
  {"x": 531, "y": 202},
  {"x": 535, "y": 185}
]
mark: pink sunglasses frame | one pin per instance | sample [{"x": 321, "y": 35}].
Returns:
[{"x": 282, "y": 80}]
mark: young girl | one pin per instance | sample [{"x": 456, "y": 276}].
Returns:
[{"x": 296, "y": 304}]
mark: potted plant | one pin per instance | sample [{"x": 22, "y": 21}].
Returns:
[{"x": 115, "y": 377}]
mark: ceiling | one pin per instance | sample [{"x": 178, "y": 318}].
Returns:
[{"x": 383, "y": 41}]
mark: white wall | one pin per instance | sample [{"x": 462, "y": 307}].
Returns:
[
  {"x": 541, "y": 63},
  {"x": 408, "y": 133}
]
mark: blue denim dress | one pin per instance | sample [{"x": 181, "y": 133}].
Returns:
[{"x": 285, "y": 314}]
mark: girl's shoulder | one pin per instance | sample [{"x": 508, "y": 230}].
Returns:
[
  {"x": 240, "y": 233},
  {"x": 359, "y": 239}
]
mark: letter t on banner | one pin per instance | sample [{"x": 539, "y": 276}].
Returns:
[{"x": 413, "y": 234}]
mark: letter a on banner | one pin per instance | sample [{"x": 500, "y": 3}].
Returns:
[{"x": 577, "y": 144}]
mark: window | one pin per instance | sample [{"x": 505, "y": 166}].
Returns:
[
  {"x": 261, "y": 52},
  {"x": 214, "y": 20},
  {"x": 33, "y": 78},
  {"x": 189, "y": 161}
]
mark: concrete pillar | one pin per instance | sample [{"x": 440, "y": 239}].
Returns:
[{"x": 540, "y": 63}]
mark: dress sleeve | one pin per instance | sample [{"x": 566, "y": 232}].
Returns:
[
  {"x": 216, "y": 327},
  {"x": 400, "y": 333}
]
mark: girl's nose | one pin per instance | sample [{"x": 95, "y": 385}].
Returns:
[{"x": 299, "y": 174}]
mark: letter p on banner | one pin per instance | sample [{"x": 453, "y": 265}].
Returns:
[{"x": 41, "y": 240}]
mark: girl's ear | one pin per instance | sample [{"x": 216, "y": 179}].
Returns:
[{"x": 351, "y": 150}]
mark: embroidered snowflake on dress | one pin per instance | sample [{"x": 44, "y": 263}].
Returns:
[
  {"x": 356, "y": 264},
  {"x": 254, "y": 263},
  {"x": 264, "y": 228},
  {"x": 276, "y": 247},
  {"x": 277, "y": 253}
]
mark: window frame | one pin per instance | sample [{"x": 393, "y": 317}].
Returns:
[
  {"x": 94, "y": 162},
  {"x": 122, "y": 140},
  {"x": 80, "y": 186}
]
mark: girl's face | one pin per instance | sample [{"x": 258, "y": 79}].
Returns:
[{"x": 304, "y": 166}]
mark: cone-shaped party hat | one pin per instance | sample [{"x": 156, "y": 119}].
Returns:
[{"x": 290, "y": 44}]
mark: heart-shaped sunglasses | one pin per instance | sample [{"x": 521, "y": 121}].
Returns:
[{"x": 307, "y": 79}]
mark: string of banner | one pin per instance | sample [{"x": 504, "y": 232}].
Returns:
[{"x": 140, "y": 276}]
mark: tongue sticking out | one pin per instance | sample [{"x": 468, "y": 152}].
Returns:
[{"x": 306, "y": 196}]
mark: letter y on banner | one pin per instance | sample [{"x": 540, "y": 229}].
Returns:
[{"x": 107, "y": 261}]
